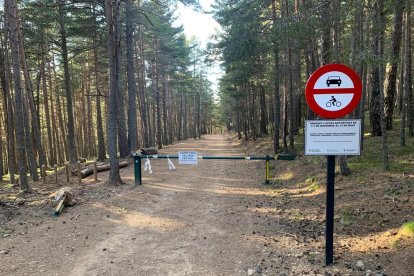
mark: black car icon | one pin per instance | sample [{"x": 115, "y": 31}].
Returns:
[{"x": 333, "y": 80}]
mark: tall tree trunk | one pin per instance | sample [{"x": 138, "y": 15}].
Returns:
[
  {"x": 380, "y": 18},
  {"x": 112, "y": 17},
  {"x": 132, "y": 88},
  {"x": 198, "y": 117},
  {"x": 406, "y": 79},
  {"x": 90, "y": 149},
  {"x": 29, "y": 94},
  {"x": 326, "y": 32},
  {"x": 52, "y": 157},
  {"x": 180, "y": 116},
  {"x": 68, "y": 86},
  {"x": 1, "y": 153},
  {"x": 378, "y": 31},
  {"x": 276, "y": 91},
  {"x": 121, "y": 120},
  {"x": 164, "y": 107},
  {"x": 409, "y": 70},
  {"x": 143, "y": 91},
  {"x": 59, "y": 149},
  {"x": 390, "y": 85},
  {"x": 99, "y": 124},
  {"x": 289, "y": 83},
  {"x": 8, "y": 109},
  {"x": 156, "y": 93},
  {"x": 18, "y": 97},
  {"x": 31, "y": 158},
  {"x": 185, "y": 128},
  {"x": 60, "y": 118},
  {"x": 263, "y": 110}
]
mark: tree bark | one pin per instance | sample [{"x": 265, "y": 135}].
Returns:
[
  {"x": 29, "y": 94},
  {"x": 276, "y": 91},
  {"x": 68, "y": 86},
  {"x": 99, "y": 124},
  {"x": 52, "y": 157},
  {"x": 263, "y": 111},
  {"x": 121, "y": 120},
  {"x": 1, "y": 152},
  {"x": 406, "y": 78},
  {"x": 164, "y": 107},
  {"x": 8, "y": 109},
  {"x": 112, "y": 16},
  {"x": 18, "y": 97},
  {"x": 132, "y": 88},
  {"x": 390, "y": 85},
  {"x": 374, "y": 108}
]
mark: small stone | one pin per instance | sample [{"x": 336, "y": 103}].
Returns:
[
  {"x": 360, "y": 266},
  {"x": 379, "y": 274},
  {"x": 250, "y": 272},
  {"x": 299, "y": 255},
  {"x": 368, "y": 273}
]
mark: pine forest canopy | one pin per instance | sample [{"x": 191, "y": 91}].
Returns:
[{"x": 104, "y": 78}]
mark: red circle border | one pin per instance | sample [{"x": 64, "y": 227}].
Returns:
[{"x": 309, "y": 91}]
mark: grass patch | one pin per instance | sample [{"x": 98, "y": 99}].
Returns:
[
  {"x": 314, "y": 187},
  {"x": 7, "y": 186},
  {"x": 408, "y": 229},
  {"x": 4, "y": 232},
  {"x": 348, "y": 217},
  {"x": 312, "y": 183}
]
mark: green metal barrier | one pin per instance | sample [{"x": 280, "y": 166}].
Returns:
[{"x": 267, "y": 158}]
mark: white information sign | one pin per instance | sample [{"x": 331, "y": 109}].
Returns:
[
  {"x": 187, "y": 157},
  {"x": 333, "y": 137}
]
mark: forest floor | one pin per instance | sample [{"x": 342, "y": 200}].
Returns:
[{"x": 216, "y": 218}]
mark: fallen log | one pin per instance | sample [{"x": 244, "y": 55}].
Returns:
[
  {"x": 149, "y": 151},
  {"x": 87, "y": 171}
]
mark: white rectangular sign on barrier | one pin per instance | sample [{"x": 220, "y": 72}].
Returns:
[
  {"x": 333, "y": 137},
  {"x": 187, "y": 157}
]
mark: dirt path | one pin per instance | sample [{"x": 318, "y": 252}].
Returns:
[
  {"x": 189, "y": 221},
  {"x": 196, "y": 220},
  {"x": 215, "y": 218}
]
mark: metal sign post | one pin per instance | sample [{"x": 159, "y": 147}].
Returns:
[
  {"x": 333, "y": 91},
  {"x": 330, "y": 208}
]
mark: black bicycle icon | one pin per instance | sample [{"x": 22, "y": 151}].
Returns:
[{"x": 337, "y": 104}]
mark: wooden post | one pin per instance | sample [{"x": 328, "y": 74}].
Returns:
[
  {"x": 95, "y": 171},
  {"x": 67, "y": 172},
  {"x": 56, "y": 174},
  {"x": 43, "y": 173},
  {"x": 79, "y": 173}
]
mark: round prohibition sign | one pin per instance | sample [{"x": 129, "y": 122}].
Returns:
[{"x": 333, "y": 91}]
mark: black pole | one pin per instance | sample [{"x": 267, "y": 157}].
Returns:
[
  {"x": 267, "y": 181},
  {"x": 137, "y": 170},
  {"x": 330, "y": 204}
]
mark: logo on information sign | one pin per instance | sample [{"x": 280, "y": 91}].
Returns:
[{"x": 333, "y": 91}]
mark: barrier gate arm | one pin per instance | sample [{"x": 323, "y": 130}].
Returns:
[{"x": 267, "y": 158}]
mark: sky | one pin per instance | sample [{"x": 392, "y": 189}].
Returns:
[{"x": 200, "y": 26}]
